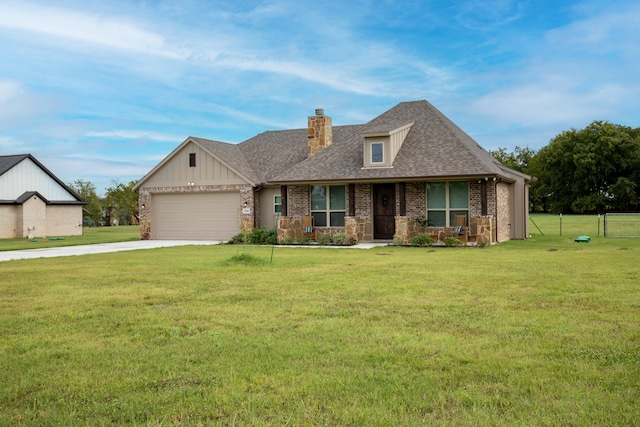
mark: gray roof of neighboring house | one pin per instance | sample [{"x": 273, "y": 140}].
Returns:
[
  {"x": 433, "y": 148},
  {"x": 8, "y": 162}
]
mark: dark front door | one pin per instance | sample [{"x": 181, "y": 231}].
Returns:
[{"x": 384, "y": 211}]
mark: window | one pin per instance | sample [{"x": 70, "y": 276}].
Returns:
[
  {"x": 277, "y": 204},
  {"x": 377, "y": 152},
  {"x": 192, "y": 160},
  {"x": 446, "y": 199},
  {"x": 328, "y": 205}
]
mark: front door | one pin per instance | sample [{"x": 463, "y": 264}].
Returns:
[{"x": 384, "y": 211}]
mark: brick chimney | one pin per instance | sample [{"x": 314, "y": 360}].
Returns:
[{"x": 319, "y": 133}]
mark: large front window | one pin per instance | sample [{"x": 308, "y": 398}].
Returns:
[
  {"x": 445, "y": 200},
  {"x": 328, "y": 204}
]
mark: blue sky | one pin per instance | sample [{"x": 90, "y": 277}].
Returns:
[{"x": 103, "y": 90}]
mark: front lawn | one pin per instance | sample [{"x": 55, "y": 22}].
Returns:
[
  {"x": 538, "y": 332},
  {"x": 90, "y": 236}
]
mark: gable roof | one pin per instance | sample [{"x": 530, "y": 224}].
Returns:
[
  {"x": 10, "y": 161},
  {"x": 434, "y": 148}
]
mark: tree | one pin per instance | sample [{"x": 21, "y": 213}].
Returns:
[
  {"x": 594, "y": 169},
  {"x": 519, "y": 159},
  {"x": 121, "y": 202},
  {"x": 93, "y": 209}
]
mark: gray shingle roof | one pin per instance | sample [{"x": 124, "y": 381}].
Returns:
[
  {"x": 7, "y": 162},
  {"x": 434, "y": 148}
]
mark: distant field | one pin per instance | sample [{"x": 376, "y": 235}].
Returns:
[{"x": 538, "y": 332}]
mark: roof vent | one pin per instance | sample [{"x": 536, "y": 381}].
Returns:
[{"x": 319, "y": 111}]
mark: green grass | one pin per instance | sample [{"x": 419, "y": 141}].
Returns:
[
  {"x": 537, "y": 332},
  {"x": 91, "y": 235}
]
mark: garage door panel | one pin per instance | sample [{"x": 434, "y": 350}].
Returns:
[{"x": 195, "y": 216}]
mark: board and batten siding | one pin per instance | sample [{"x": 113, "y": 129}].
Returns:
[
  {"x": 208, "y": 171},
  {"x": 28, "y": 176}
]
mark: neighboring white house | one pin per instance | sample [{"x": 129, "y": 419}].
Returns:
[{"x": 34, "y": 202}]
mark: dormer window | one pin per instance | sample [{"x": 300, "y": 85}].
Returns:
[
  {"x": 377, "y": 153},
  {"x": 381, "y": 144}
]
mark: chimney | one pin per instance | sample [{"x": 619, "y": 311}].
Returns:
[{"x": 319, "y": 133}]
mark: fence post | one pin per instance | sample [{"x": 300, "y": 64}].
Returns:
[{"x": 561, "y": 223}]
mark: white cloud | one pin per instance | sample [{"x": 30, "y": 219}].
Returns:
[
  {"x": 89, "y": 28},
  {"x": 487, "y": 14},
  {"x": 17, "y": 103},
  {"x": 604, "y": 33},
  {"x": 135, "y": 134},
  {"x": 9, "y": 144}
]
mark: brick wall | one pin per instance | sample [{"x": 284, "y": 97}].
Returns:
[
  {"x": 9, "y": 221},
  {"x": 48, "y": 220},
  {"x": 363, "y": 201},
  {"x": 64, "y": 220},
  {"x": 416, "y": 199},
  {"x": 298, "y": 200}
]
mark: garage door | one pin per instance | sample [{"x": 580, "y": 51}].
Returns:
[{"x": 195, "y": 216}]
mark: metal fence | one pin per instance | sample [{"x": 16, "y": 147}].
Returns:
[
  {"x": 608, "y": 225},
  {"x": 566, "y": 225},
  {"x": 622, "y": 224}
]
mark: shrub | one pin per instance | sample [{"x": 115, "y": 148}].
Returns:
[
  {"x": 422, "y": 240},
  {"x": 324, "y": 240},
  {"x": 398, "y": 240},
  {"x": 257, "y": 236},
  {"x": 287, "y": 241},
  {"x": 339, "y": 238},
  {"x": 452, "y": 241},
  {"x": 261, "y": 236}
]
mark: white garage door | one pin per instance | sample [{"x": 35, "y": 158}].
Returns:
[{"x": 195, "y": 216}]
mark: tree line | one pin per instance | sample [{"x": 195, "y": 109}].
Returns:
[
  {"x": 591, "y": 170},
  {"x": 119, "y": 206}
]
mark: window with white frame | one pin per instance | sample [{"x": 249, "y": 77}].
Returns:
[
  {"x": 445, "y": 200},
  {"x": 377, "y": 153},
  {"x": 328, "y": 205}
]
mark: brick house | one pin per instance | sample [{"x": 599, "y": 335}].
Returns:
[
  {"x": 407, "y": 171},
  {"x": 34, "y": 202}
]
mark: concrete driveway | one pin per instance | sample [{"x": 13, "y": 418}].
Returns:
[
  {"x": 98, "y": 248},
  {"x": 103, "y": 248}
]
